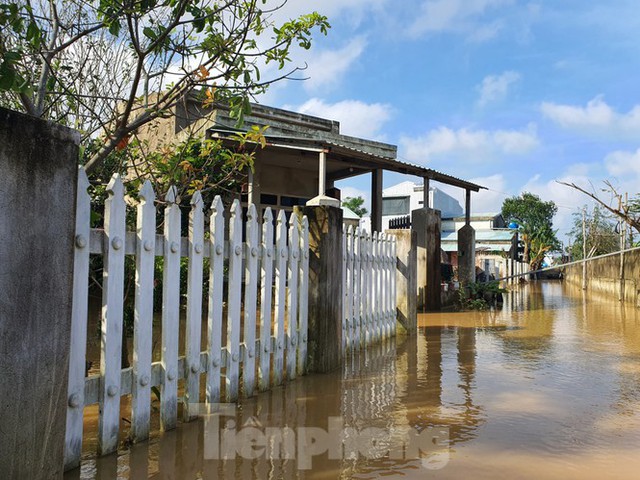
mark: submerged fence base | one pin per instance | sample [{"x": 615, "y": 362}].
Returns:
[{"x": 263, "y": 315}]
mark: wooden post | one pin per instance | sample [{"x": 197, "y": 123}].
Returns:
[
  {"x": 112, "y": 304},
  {"x": 143, "y": 314},
  {"x": 425, "y": 192},
  {"x": 584, "y": 249},
  {"x": 194, "y": 308},
  {"x": 280, "y": 296},
  {"x": 292, "y": 296},
  {"x": 266, "y": 288},
  {"x": 376, "y": 200},
  {"x": 234, "y": 301},
  {"x": 214, "y": 315},
  {"x": 170, "y": 313},
  {"x": 250, "y": 301},
  {"x": 78, "y": 348}
]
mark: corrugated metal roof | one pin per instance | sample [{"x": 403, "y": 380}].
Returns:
[
  {"x": 453, "y": 247},
  {"x": 481, "y": 236}
]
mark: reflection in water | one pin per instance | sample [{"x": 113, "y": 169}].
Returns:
[{"x": 549, "y": 387}]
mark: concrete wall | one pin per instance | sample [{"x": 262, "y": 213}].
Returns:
[
  {"x": 603, "y": 277},
  {"x": 38, "y": 171}
]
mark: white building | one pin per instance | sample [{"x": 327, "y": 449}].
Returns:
[{"x": 401, "y": 199}]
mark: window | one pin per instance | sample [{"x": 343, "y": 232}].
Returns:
[{"x": 395, "y": 206}]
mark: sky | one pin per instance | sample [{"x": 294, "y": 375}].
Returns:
[{"x": 512, "y": 95}]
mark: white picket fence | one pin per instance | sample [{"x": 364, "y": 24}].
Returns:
[
  {"x": 369, "y": 279},
  {"x": 277, "y": 312}
]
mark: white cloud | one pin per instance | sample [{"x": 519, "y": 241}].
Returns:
[
  {"x": 597, "y": 117},
  {"x": 356, "y": 118},
  {"x": 328, "y": 67},
  {"x": 489, "y": 201},
  {"x": 495, "y": 88},
  {"x": 459, "y": 16},
  {"x": 468, "y": 144},
  {"x": 623, "y": 164},
  {"x": 354, "y": 10}
]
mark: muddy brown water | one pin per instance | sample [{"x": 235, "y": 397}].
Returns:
[{"x": 548, "y": 387}]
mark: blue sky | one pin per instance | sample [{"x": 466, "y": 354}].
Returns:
[{"x": 510, "y": 94}]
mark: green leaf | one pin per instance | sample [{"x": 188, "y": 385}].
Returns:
[{"x": 149, "y": 33}]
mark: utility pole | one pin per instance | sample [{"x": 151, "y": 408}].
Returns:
[
  {"x": 584, "y": 248},
  {"x": 623, "y": 234}
]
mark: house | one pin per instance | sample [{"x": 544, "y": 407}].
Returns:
[
  {"x": 493, "y": 241},
  {"x": 403, "y": 198},
  {"x": 303, "y": 158}
]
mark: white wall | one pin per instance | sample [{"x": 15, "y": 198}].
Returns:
[{"x": 438, "y": 200}]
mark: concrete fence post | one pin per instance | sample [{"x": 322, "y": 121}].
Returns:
[
  {"x": 467, "y": 255},
  {"x": 426, "y": 223},
  {"x": 326, "y": 294},
  {"x": 38, "y": 175},
  {"x": 406, "y": 279}
]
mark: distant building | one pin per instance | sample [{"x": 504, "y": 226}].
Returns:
[
  {"x": 401, "y": 199},
  {"x": 493, "y": 241}
]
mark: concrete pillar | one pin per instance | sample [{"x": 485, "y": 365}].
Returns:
[
  {"x": 325, "y": 286},
  {"x": 467, "y": 254},
  {"x": 426, "y": 223},
  {"x": 38, "y": 174},
  {"x": 376, "y": 200},
  {"x": 406, "y": 278}
]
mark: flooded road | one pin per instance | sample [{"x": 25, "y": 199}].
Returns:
[{"x": 548, "y": 387}]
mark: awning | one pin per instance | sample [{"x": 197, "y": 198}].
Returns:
[{"x": 344, "y": 161}]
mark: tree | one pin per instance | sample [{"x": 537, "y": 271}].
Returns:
[
  {"x": 355, "y": 205},
  {"x": 628, "y": 212},
  {"x": 112, "y": 66},
  {"x": 601, "y": 237},
  {"x": 535, "y": 225}
]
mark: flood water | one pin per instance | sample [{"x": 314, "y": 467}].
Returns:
[{"x": 548, "y": 387}]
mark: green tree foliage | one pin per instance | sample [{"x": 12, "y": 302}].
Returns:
[
  {"x": 355, "y": 204},
  {"x": 109, "y": 67},
  {"x": 601, "y": 237},
  {"x": 535, "y": 224}
]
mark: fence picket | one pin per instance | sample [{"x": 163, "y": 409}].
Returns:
[
  {"x": 250, "y": 299},
  {"x": 304, "y": 296},
  {"x": 143, "y": 314},
  {"x": 170, "y": 312},
  {"x": 292, "y": 274},
  {"x": 357, "y": 284},
  {"x": 193, "y": 331},
  {"x": 234, "y": 302},
  {"x": 79, "y": 309},
  {"x": 394, "y": 255},
  {"x": 214, "y": 315},
  {"x": 266, "y": 290},
  {"x": 345, "y": 295},
  {"x": 375, "y": 294},
  {"x": 281, "y": 279},
  {"x": 351, "y": 287},
  {"x": 365, "y": 294},
  {"x": 112, "y": 316}
]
